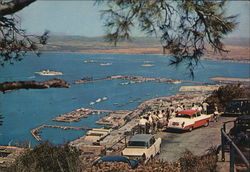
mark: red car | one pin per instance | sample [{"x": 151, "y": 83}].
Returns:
[{"x": 188, "y": 120}]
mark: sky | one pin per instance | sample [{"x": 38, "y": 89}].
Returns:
[{"x": 83, "y": 18}]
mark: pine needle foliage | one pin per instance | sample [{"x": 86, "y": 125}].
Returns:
[{"x": 186, "y": 27}]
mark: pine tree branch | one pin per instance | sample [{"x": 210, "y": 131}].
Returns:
[{"x": 8, "y": 8}]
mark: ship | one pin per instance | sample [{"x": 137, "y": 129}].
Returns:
[{"x": 49, "y": 73}]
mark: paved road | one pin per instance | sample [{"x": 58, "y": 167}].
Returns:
[{"x": 197, "y": 141}]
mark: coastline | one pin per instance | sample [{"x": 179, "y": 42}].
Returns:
[{"x": 236, "y": 54}]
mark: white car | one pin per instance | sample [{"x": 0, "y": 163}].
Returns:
[
  {"x": 142, "y": 147},
  {"x": 188, "y": 120}
]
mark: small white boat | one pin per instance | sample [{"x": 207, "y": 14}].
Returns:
[
  {"x": 98, "y": 100},
  {"x": 92, "y": 103},
  {"x": 147, "y": 65},
  {"x": 105, "y": 64},
  {"x": 104, "y": 98},
  {"x": 49, "y": 73},
  {"x": 89, "y": 61}
]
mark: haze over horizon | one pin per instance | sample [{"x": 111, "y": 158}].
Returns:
[{"x": 82, "y": 18}]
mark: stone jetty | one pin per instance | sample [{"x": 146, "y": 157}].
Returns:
[
  {"x": 35, "y": 132},
  {"x": 53, "y": 83},
  {"x": 135, "y": 79},
  {"x": 77, "y": 114}
]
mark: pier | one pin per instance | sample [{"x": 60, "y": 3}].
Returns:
[
  {"x": 35, "y": 132},
  {"x": 77, "y": 114}
]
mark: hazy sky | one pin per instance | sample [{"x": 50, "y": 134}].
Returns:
[{"x": 83, "y": 18}]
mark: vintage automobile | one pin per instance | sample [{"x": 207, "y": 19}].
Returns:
[
  {"x": 238, "y": 107},
  {"x": 188, "y": 120},
  {"x": 116, "y": 158},
  {"x": 142, "y": 147}
]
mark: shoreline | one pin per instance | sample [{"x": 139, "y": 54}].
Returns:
[
  {"x": 236, "y": 54},
  {"x": 229, "y": 60}
]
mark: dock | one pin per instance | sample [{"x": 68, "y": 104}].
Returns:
[{"x": 77, "y": 114}]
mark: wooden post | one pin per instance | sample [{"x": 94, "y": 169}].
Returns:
[
  {"x": 222, "y": 146},
  {"x": 231, "y": 158}
]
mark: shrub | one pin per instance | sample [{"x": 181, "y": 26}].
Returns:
[
  {"x": 225, "y": 94},
  {"x": 47, "y": 157}
]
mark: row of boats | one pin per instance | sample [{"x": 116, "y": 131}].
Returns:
[
  {"x": 94, "y": 61},
  {"x": 98, "y": 100}
]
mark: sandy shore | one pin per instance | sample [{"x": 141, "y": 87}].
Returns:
[{"x": 236, "y": 53}]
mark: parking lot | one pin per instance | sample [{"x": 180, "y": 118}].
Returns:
[{"x": 198, "y": 141}]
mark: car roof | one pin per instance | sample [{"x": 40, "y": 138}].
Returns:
[
  {"x": 141, "y": 137},
  {"x": 114, "y": 158},
  {"x": 241, "y": 99},
  {"x": 188, "y": 112}
]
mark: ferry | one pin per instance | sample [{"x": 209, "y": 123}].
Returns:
[{"x": 49, "y": 73}]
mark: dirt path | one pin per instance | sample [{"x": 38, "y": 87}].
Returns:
[{"x": 197, "y": 141}]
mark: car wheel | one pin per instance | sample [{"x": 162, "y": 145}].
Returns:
[
  {"x": 190, "y": 129},
  {"x": 206, "y": 124}
]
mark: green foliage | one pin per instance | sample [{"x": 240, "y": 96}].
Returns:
[
  {"x": 186, "y": 27},
  {"x": 15, "y": 43},
  {"x": 225, "y": 94},
  {"x": 47, "y": 157},
  {"x": 187, "y": 163},
  {"x": 193, "y": 163}
]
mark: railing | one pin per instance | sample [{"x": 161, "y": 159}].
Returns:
[{"x": 233, "y": 148}]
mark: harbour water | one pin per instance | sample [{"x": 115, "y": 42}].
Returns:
[{"x": 24, "y": 110}]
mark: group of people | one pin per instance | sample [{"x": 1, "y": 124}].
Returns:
[
  {"x": 202, "y": 107},
  {"x": 154, "y": 121}
]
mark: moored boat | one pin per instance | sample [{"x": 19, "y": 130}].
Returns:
[{"x": 49, "y": 73}]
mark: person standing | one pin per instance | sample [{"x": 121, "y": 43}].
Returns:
[
  {"x": 216, "y": 112},
  {"x": 155, "y": 122},
  {"x": 142, "y": 125},
  {"x": 205, "y": 105}
]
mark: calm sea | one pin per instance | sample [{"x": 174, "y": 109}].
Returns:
[{"x": 24, "y": 110}]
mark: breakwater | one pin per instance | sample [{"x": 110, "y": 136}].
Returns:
[
  {"x": 135, "y": 79},
  {"x": 36, "y": 133}
]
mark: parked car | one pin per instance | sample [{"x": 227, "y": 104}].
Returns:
[
  {"x": 238, "y": 107},
  {"x": 116, "y": 158},
  {"x": 188, "y": 120},
  {"x": 142, "y": 147}
]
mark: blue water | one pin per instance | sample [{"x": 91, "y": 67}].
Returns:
[{"x": 24, "y": 110}]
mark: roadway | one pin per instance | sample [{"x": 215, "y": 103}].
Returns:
[{"x": 198, "y": 141}]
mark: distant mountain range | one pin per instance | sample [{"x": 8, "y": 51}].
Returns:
[{"x": 135, "y": 40}]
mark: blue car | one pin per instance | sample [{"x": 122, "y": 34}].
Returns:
[{"x": 116, "y": 158}]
